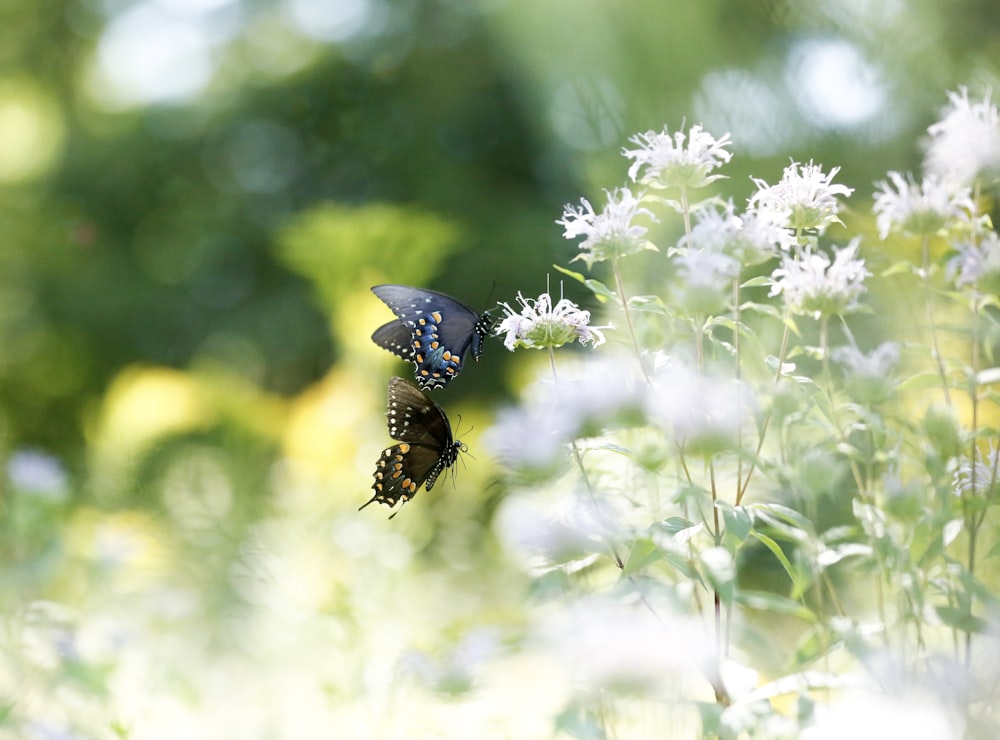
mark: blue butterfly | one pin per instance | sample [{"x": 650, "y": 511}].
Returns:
[{"x": 432, "y": 330}]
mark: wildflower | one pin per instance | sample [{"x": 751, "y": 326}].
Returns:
[
  {"x": 980, "y": 477},
  {"x": 977, "y": 264},
  {"x": 669, "y": 162},
  {"x": 37, "y": 473},
  {"x": 965, "y": 143},
  {"x": 813, "y": 285},
  {"x": 750, "y": 238},
  {"x": 922, "y": 209},
  {"x": 611, "y": 233},
  {"x": 703, "y": 413},
  {"x": 705, "y": 276},
  {"x": 804, "y": 200},
  {"x": 540, "y": 325},
  {"x": 869, "y": 375}
]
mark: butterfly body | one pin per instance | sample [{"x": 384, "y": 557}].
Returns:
[
  {"x": 432, "y": 330},
  {"x": 425, "y": 445}
]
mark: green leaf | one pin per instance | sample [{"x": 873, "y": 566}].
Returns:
[
  {"x": 960, "y": 619},
  {"x": 602, "y": 292},
  {"x": 776, "y": 550},
  {"x": 775, "y": 603},
  {"x": 644, "y": 552},
  {"x": 737, "y": 520},
  {"x": 720, "y": 572}
]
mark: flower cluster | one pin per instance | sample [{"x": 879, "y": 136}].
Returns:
[
  {"x": 920, "y": 209},
  {"x": 976, "y": 264},
  {"x": 965, "y": 143},
  {"x": 813, "y": 285},
  {"x": 611, "y": 233},
  {"x": 804, "y": 200},
  {"x": 680, "y": 160},
  {"x": 540, "y": 325}
]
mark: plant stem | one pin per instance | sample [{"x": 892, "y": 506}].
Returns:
[{"x": 620, "y": 286}]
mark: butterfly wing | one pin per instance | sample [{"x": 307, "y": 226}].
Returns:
[
  {"x": 442, "y": 331},
  {"x": 425, "y": 445}
]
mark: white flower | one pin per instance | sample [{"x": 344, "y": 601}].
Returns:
[
  {"x": 966, "y": 141},
  {"x": 869, "y": 376},
  {"x": 704, "y": 279},
  {"x": 609, "y": 234},
  {"x": 37, "y": 473},
  {"x": 921, "y": 209},
  {"x": 540, "y": 325},
  {"x": 702, "y": 412},
  {"x": 804, "y": 200},
  {"x": 979, "y": 478},
  {"x": 668, "y": 161},
  {"x": 750, "y": 238},
  {"x": 813, "y": 285},
  {"x": 977, "y": 264}
]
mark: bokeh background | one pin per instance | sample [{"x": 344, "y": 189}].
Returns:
[{"x": 195, "y": 196}]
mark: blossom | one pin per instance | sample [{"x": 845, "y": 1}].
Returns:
[
  {"x": 921, "y": 209},
  {"x": 609, "y": 234},
  {"x": 705, "y": 276},
  {"x": 812, "y": 284},
  {"x": 750, "y": 238},
  {"x": 679, "y": 160},
  {"x": 702, "y": 412},
  {"x": 539, "y": 324},
  {"x": 966, "y": 141},
  {"x": 977, "y": 264},
  {"x": 869, "y": 376},
  {"x": 980, "y": 477},
  {"x": 804, "y": 200}
]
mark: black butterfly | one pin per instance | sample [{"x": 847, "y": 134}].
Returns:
[
  {"x": 432, "y": 330},
  {"x": 425, "y": 447}
]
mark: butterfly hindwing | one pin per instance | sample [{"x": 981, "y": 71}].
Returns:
[
  {"x": 440, "y": 332},
  {"x": 425, "y": 445}
]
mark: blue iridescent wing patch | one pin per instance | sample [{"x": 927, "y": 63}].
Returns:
[{"x": 432, "y": 330}]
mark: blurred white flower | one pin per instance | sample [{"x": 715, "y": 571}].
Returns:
[
  {"x": 977, "y": 264},
  {"x": 679, "y": 160},
  {"x": 751, "y": 238},
  {"x": 876, "y": 364},
  {"x": 611, "y": 233},
  {"x": 921, "y": 209},
  {"x": 606, "y": 644},
  {"x": 873, "y": 716},
  {"x": 965, "y": 143},
  {"x": 813, "y": 285},
  {"x": 702, "y": 412},
  {"x": 804, "y": 199},
  {"x": 980, "y": 477},
  {"x": 704, "y": 280},
  {"x": 539, "y": 324},
  {"x": 590, "y": 397},
  {"x": 37, "y": 473}
]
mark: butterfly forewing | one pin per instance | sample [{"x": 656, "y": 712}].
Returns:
[
  {"x": 425, "y": 445},
  {"x": 440, "y": 332}
]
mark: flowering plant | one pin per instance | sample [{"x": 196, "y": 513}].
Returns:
[{"x": 734, "y": 425}]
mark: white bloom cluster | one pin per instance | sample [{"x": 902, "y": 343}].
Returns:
[
  {"x": 804, "y": 200},
  {"x": 965, "y": 143},
  {"x": 750, "y": 238},
  {"x": 539, "y": 324},
  {"x": 977, "y": 264},
  {"x": 611, "y": 233},
  {"x": 980, "y": 477},
  {"x": 678, "y": 160},
  {"x": 921, "y": 209},
  {"x": 814, "y": 285}
]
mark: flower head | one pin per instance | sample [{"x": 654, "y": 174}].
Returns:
[
  {"x": 664, "y": 161},
  {"x": 804, "y": 200},
  {"x": 922, "y": 209},
  {"x": 966, "y": 141},
  {"x": 979, "y": 477},
  {"x": 813, "y": 285},
  {"x": 869, "y": 376},
  {"x": 705, "y": 276},
  {"x": 750, "y": 238},
  {"x": 539, "y": 324},
  {"x": 609, "y": 234},
  {"x": 977, "y": 264}
]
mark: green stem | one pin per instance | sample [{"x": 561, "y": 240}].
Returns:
[
  {"x": 929, "y": 312},
  {"x": 620, "y": 286}
]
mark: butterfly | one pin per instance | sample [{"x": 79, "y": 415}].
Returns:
[
  {"x": 432, "y": 330},
  {"x": 425, "y": 445}
]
